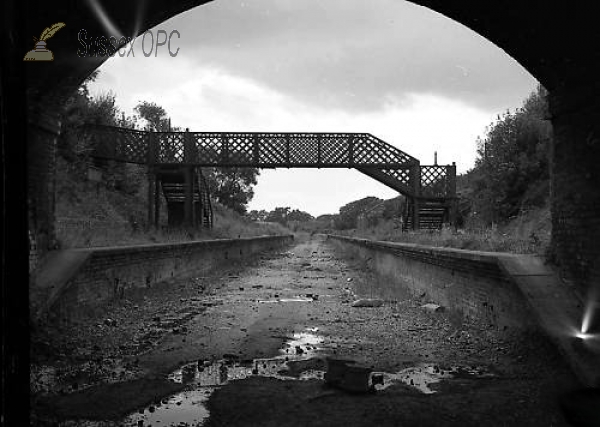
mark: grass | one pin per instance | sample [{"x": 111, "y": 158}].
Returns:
[
  {"x": 91, "y": 215},
  {"x": 89, "y": 233},
  {"x": 527, "y": 234}
]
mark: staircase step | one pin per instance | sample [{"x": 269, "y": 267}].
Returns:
[{"x": 174, "y": 189}]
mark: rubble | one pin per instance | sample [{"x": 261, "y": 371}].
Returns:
[
  {"x": 367, "y": 303},
  {"x": 348, "y": 375},
  {"x": 392, "y": 338},
  {"x": 433, "y": 307}
]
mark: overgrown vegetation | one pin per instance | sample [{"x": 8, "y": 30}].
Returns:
[
  {"x": 102, "y": 203},
  {"x": 281, "y": 215},
  {"x": 90, "y": 214},
  {"x": 529, "y": 233},
  {"x": 503, "y": 199},
  {"x": 511, "y": 173}
]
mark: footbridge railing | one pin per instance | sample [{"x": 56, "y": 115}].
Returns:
[{"x": 362, "y": 151}]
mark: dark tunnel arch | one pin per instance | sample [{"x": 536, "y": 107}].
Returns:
[
  {"x": 549, "y": 48},
  {"x": 555, "y": 41}
]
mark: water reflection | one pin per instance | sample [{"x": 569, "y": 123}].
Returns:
[
  {"x": 188, "y": 408},
  {"x": 298, "y": 359}
]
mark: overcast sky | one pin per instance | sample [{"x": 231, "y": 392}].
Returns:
[{"x": 404, "y": 73}]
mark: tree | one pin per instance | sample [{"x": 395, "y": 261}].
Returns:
[
  {"x": 260, "y": 215},
  {"x": 279, "y": 214},
  {"x": 75, "y": 142},
  {"x": 349, "y": 213},
  {"x": 300, "y": 216},
  {"x": 81, "y": 108},
  {"x": 326, "y": 221},
  {"x": 232, "y": 187},
  {"x": 155, "y": 116},
  {"x": 392, "y": 208},
  {"x": 512, "y": 168}
]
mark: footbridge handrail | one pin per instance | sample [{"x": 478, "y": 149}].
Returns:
[{"x": 362, "y": 151}]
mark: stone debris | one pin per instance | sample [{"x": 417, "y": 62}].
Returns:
[
  {"x": 211, "y": 303},
  {"x": 433, "y": 307},
  {"x": 411, "y": 335},
  {"x": 348, "y": 375},
  {"x": 367, "y": 303},
  {"x": 377, "y": 378}
]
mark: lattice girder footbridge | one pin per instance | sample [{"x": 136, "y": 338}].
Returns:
[
  {"x": 362, "y": 151},
  {"x": 165, "y": 152}
]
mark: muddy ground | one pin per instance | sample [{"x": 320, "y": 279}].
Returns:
[{"x": 236, "y": 328}]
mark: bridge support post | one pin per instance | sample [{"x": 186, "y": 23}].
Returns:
[
  {"x": 451, "y": 174},
  {"x": 150, "y": 199},
  {"x": 415, "y": 178},
  {"x": 156, "y": 201},
  {"x": 152, "y": 179},
  {"x": 415, "y": 214},
  {"x": 188, "y": 203},
  {"x": 189, "y": 157}
]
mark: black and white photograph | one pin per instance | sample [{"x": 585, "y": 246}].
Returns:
[{"x": 300, "y": 213}]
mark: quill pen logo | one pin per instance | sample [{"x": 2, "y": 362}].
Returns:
[{"x": 40, "y": 52}]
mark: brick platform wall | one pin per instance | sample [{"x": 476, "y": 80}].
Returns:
[
  {"x": 111, "y": 273},
  {"x": 471, "y": 285}
]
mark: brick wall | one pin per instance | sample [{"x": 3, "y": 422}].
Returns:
[
  {"x": 111, "y": 273},
  {"x": 576, "y": 188},
  {"x": 42, "y": 132},
  {"x": 471, "y": 285},
  {"x": 33, "y": 253}
]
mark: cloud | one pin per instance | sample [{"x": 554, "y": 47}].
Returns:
[
  {"x": 351, "y": 54},
  {"x": 211, "y": 99}
]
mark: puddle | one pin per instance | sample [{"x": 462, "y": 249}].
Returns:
[
  {"x": 422, "y": 377},
  {"x": 296, "y": 299},
  {"x": 303, "y": 344},
  {"x": 186, "y": 408},
  {"x": 418, "y": 377},
  {"x": 296, "y": 361}
]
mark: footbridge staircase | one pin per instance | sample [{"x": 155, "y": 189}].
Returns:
[{"x": 175, "y": 160}]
